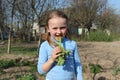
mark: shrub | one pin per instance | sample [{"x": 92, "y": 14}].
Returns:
[
  {"x": 98, "y": 36},
  {"x": 116, "y": 70},
  {"x": 27, "y": 77},
  {"x": 6, "y": 64}
]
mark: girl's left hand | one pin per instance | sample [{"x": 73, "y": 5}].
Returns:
[{"x": 56, "y": 53}]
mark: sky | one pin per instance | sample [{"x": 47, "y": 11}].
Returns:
[{"x": 115, "y": 4}]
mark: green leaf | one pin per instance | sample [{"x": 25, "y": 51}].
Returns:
[
  {"x": 95, "y": 68},
  {"x": 61, "y": 59}
]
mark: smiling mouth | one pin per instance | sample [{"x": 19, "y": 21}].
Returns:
[{"x": 59, "y": 35}]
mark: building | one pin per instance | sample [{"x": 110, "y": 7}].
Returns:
[{"x": 36, "y": 29}]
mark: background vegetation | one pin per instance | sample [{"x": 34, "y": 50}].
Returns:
[{"x": 19, "y": 16}]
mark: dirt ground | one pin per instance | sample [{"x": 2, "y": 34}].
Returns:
[{"x": 106, "y": 54}]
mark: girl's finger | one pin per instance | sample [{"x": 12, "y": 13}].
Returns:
[{"x": 58, "y": 55}]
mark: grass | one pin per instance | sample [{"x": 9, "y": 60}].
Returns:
[
  {"x": 4, "y": 64},
  {"x": 30, "y": 51},
  {"x": 24, "y": 51},
  {"x": 98, "y": 36},
  {"x": 19, "y": 50}
]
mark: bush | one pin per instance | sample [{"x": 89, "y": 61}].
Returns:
[
  {"x": 27, "y": 77},
  {"x": 116, "y": 70},
  {"x": 98, "y": 36},
  {"x": 20, "y": 50},
  {"x": 6, "y": 64}
]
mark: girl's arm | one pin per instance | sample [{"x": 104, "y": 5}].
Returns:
[
  {"x": 44, "y": 65},
  {"x": 78, "y": 66},
  {"x": 47, "y": 65}
]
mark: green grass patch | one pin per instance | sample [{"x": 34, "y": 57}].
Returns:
[
  {"x": 24, "y": 50},
  {"x": 20, "y": 50},
  {"x": 98, "y": 36},
  {"x": 116, "y": 70},
  {"x": 6, "y": 64},
  {"x": 26, "y": 77}
]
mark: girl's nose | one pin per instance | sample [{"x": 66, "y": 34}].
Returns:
[{"x": 59, "y": 31}]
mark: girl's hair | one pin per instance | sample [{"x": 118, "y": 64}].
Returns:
[
  {"x": 52, "y": 14},
  {"x": 55, "y": 13}
]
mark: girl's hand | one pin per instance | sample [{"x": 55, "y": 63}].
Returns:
[{"x": 56, "y": 53}]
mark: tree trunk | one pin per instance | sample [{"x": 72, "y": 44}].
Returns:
[
  {"x": 39, "y": 42},
  {"x": 9, "y": 42},
  {"x": 83, "y": 32},
  {"x": 1, "y": 35},
  {"x": 29, "y": 35}
]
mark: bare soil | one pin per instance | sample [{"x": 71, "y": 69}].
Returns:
[{"x": 106, "y": 54}]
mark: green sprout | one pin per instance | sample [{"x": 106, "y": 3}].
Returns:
[
  {"x": 116, "y": 70},
  {"x": 61, "y": 59}
]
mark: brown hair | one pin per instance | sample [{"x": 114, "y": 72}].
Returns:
[{"x": 52, "y": 14}]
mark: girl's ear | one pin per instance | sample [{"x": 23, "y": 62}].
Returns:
[{"x": 47, "y": 29}]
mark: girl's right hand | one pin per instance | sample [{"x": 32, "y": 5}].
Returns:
[{"x": 56, "y": 53}]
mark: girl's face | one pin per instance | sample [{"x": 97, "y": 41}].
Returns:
[{"x": 57, "y": 27}]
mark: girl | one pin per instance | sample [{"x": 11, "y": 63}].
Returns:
[{"x": 57, "y": 26}]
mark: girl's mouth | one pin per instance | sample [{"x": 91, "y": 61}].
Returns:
[{"x": 58, "y": 35}]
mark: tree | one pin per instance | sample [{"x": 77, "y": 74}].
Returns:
[
  {"x": 1, "y": 20},
  {"x": 11, "y": 24},
  {"x": 25, "y": 16},
  {"x": 108, "y": 19},
  {"x": 85, "y": 11}
]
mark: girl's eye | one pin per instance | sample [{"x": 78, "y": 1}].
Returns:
[
  {"x": 55, "y": 28},
  {"x": 63, "y": 28}
]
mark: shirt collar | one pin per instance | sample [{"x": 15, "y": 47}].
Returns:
[{"x": 54, "y": 40}]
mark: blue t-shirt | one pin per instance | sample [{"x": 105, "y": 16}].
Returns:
[{"x": 71, "y": 67}]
